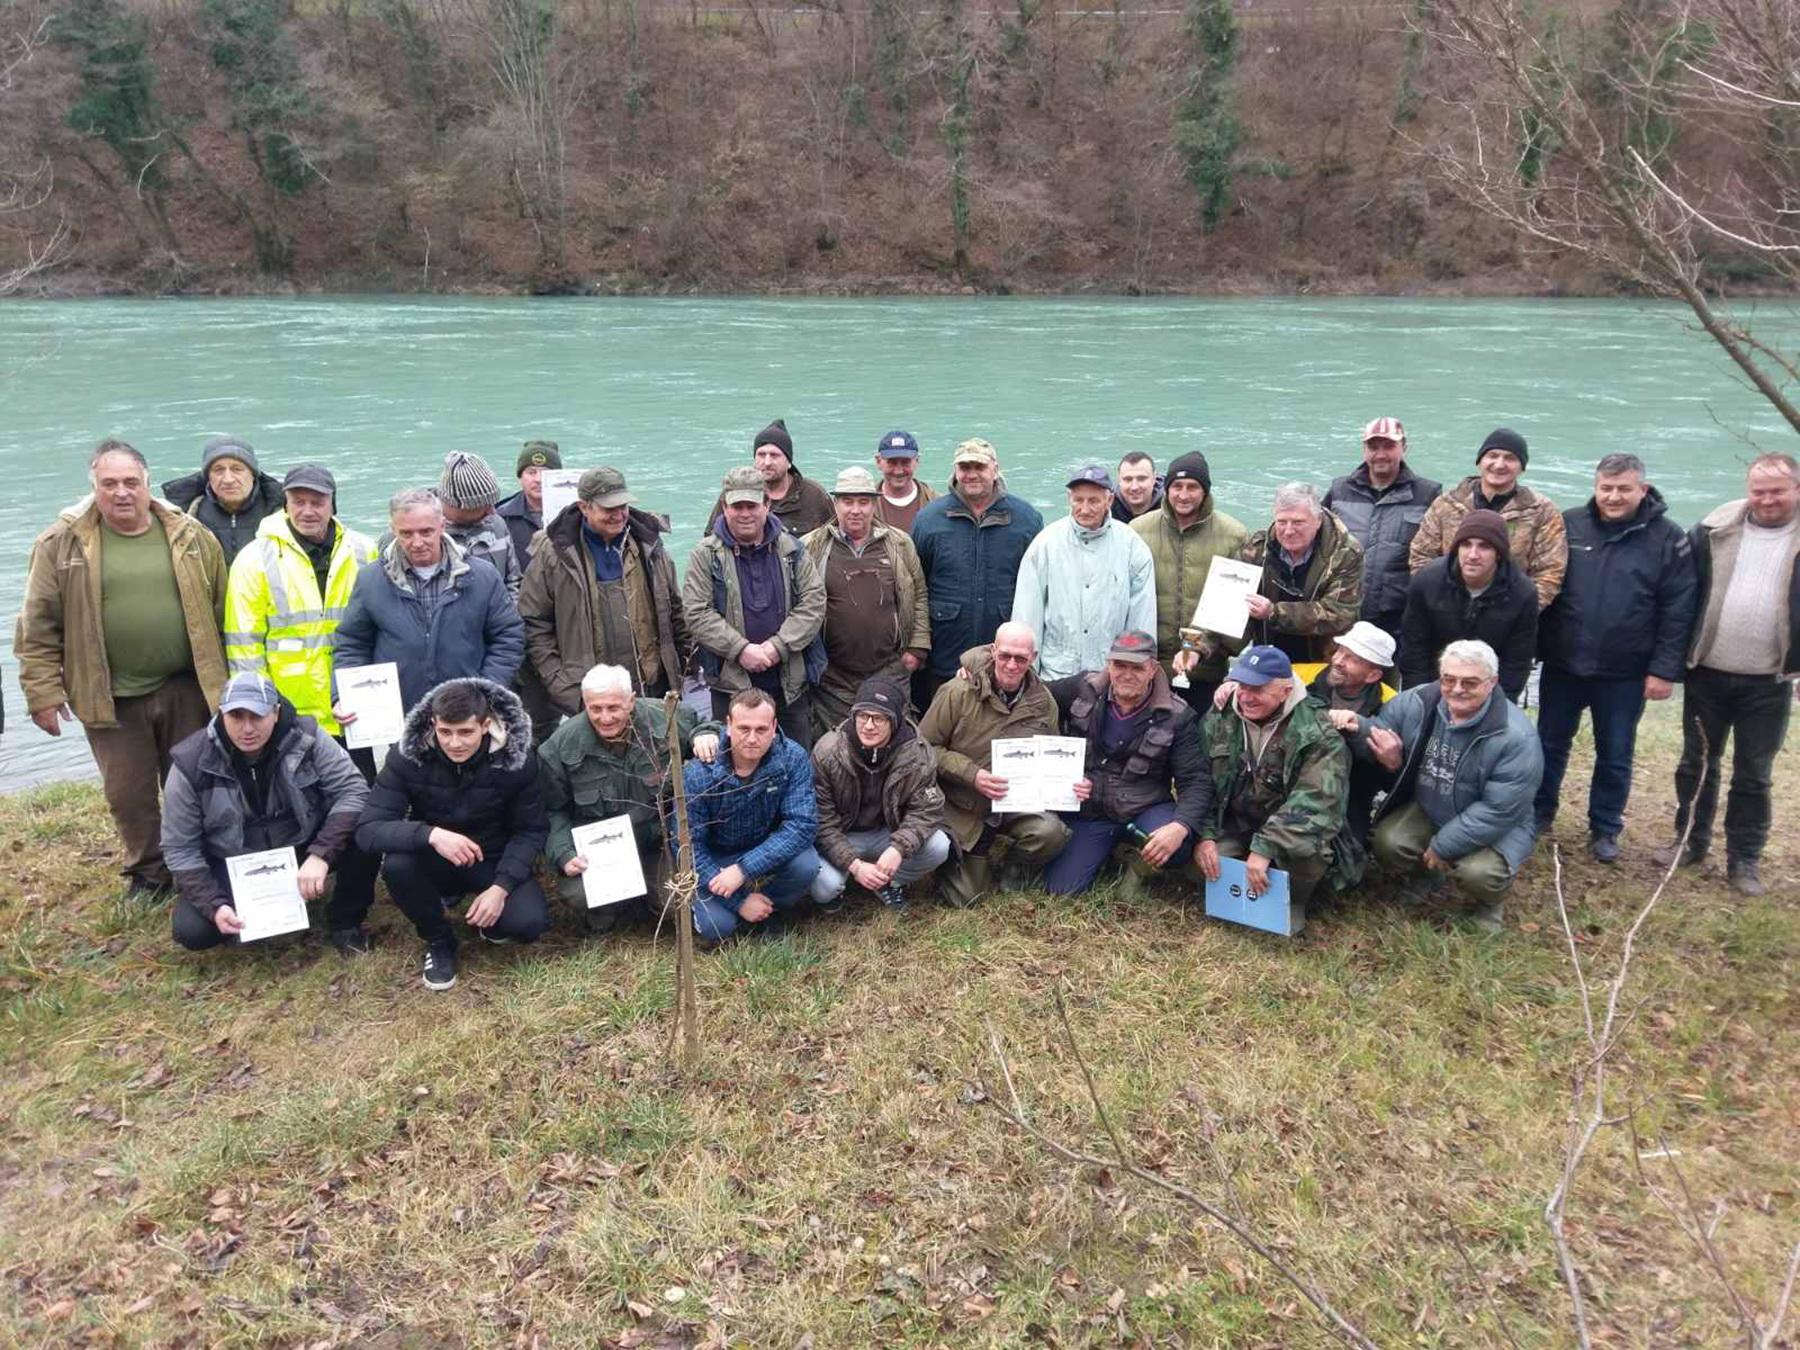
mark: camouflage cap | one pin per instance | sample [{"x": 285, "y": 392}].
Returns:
[
  {"x": 744, "y": 484},
  {"x": 603, "y": 487},
  {"x": 975, "y": 451},
  {"x": 855, "y": 481}
]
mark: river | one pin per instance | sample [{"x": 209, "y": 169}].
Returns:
[{"x": 670, "y": 391}]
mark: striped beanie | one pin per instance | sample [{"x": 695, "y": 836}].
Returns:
[{"x": 467, "y": 481}]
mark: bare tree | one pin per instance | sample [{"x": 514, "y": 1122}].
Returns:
[
  {"x": 26, "y": 185},
  {"x": 1659, "y": 146}
]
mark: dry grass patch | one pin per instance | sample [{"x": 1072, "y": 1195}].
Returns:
[{"x": 279, "y": 1146}]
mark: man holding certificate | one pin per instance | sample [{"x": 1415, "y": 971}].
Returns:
[
  {"x": 1145, "y": 779},
  {"x": 259, "y": 778},
  {"x": 612, "y": 763},
  {"x": 456, "y": 812}
]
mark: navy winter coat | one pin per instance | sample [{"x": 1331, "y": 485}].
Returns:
[
  {"x": 1627, "y": 602},
  {"x": 971, "y": 567}
]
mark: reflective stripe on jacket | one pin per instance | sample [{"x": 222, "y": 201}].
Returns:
[{"x": 276, "y": 622}]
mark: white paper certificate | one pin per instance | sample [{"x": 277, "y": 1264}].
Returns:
[
  {"x": 614, "y": 873},
  {"x": 265, "y": 892},
  {"x": 559, "y": 488},
  {"x": 1229, "y": 582},
  {"x": 373, "y": 694},
  {"x": 1040, "y": 772}
]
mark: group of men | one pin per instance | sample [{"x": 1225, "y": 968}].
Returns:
[{"x": 862, "y": 649}]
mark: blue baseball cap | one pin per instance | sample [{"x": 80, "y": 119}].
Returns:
[
  {"x": 1259, "y": 665},
  {"x": 1092, "y": 473},
  {"x": 246, "y": 692},
  {"x": 897, "y": 445}
]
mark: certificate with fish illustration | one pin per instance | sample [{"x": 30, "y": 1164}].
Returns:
[
  {"x": 265, "y": 892},
  {"x": 1229, "y": 583},
  {"x": 614, "y": 872},
  {"x": 1040, "y": 772},
  {"x": 372, "y": 694},
  {"x": 560, "y": 488}
]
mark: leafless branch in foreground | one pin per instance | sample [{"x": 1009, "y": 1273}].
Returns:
[{"x": 1013, "y": 1109}]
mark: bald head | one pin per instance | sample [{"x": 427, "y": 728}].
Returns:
[
  {"x": 1015, "y": 631},
  {"x": 1015, "y": 648}
]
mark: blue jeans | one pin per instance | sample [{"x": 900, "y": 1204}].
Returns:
[
  {"x": 1091, "y": 843},
  {"x": 716, "y": 919},
  {"x": 869, "y": 845},
  {"x": 1615, "y": 706}
]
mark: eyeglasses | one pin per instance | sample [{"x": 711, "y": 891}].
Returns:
[
  {"x": 1470, "y": 682},
  {"x": 1011, "y": 659}
]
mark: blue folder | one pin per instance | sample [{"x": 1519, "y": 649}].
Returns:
[{"x": 1228, "y": 898}]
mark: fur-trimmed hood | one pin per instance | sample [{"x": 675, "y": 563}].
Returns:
[{"x": 509, "y": 745}]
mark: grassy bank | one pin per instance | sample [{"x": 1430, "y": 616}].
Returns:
[{"x": 281, "y": 1146}]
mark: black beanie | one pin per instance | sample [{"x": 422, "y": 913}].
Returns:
[
  {"x": 879, "y": 694},
  {"x": 1487, "y": 526},
  {"x": 1504, "y": 438},
  {"x": 1192, "y": 467},
  {"x": 776, "y": 434}
]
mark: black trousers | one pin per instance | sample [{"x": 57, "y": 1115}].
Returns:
[
  {"x": 425, "y": 884},
  {"x": 1752, "y": 710},
  {"x": 352, "y": 892},
  {"x": 795, "y": 719}
]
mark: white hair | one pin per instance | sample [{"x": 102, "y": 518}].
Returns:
[
  {"x": 1014, "y": 628},
  {"x": 1471, "y": 652},
  {"x": 415, "y": 499},
  {"x": 1298, "y": 494},
  {"x": 606, "y": 680}
]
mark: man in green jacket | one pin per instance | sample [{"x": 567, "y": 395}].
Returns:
[
  {"x": 1281, "y": 778},
  {"x": 120, "y": 630},
  {"x": 613, "y": 760},
  {"x": 1185, "y": 534}
]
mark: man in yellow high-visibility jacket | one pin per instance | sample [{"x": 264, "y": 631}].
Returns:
[{"x": 288, "y": 589}]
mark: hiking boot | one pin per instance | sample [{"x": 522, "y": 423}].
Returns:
[
  {"x": 831, "y": 905},
  {"x": 350, "y": 941},
  {"x": 1603, "y": 848},
  {"x": 1486, "y": 918},
  {"x": 597, "y": 922},
  {"x": 141, "y": 892},
  {"x": 1742, "y": 874},
  {"x": 1690, "y": 856},
  {"x": 1540, "y": 825},
  {"x": 1423, "y": 890},
  {"x": 893, "y": 895},
  {"x": 439, "y": 972}
]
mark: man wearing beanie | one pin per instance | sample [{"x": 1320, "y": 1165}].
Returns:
[
  {"x": 1477, "y": 591},
  {"x": 881, "y": 811},
  {"x": 798, "y": 503},
  {"x": 1185, "y": 534},
  {"x": 230, "y": 495},
  {"x": 469, "y": 491},
  {"x": 1540, "y": 542},
  {"x": 523, "y": 512},
  {"x": 1382, "y": 503}
]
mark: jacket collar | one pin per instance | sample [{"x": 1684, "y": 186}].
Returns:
[{"x": 393, "y": 562}]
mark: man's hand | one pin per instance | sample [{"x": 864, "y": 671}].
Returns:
[
  {"x": 727, "y": 883},
  {"x": 313, "y": 873},
  {"x": 1260, "y": 606},
  {"x": 454, "y": 848},
  {"x": 1184, "y": 661},
  {"x": 575, "y": 866},
  {"x": 1206, "y": 858},
  {"x": 912, "y": 660},
  {"x": 868, "y": 875},
  {"x": 989, "y": 786},
  {"x": 50, "y": 720},
  {"x": 1433, "y": 862},
  {"x": 1344, "y": 720},
  {"x": 706, "y": 748},
  {"x": 226, "y": 920},
  {"x": 758, "y": 657},
  {"x": 1657, "y": 689},
  {"x": 1163, "y": 842},
  {"x": 756, "y": 908},
  {"x": 1256, "y": 874},
  {"x": 1084, "y": 788},
  {"x": 1222, "y": 695},
  {"x": 1384, "y": 744},
  {"x": 484, "y": 909},
  {"x": 344, "y": 716}
]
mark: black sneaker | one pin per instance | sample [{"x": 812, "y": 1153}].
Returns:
[
  {"x": 830, "y": 906},
  {"x": 440, "y": 966},
  {"x": 350, "y": 941},
  {"x": 893, "y": 895}
]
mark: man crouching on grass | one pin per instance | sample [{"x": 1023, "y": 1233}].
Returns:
[
  {"x": 456, "y": 811},
  {"x": 754, "y": 819}
]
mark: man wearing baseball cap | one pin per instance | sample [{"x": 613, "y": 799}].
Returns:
[
  {"x": 797, "y": 503},
  {"x": 600, "y": 590},
  {"x": 260, "y": 776},
  {"x": 523, "y": 512},
  {"x": 1382, "y": 503},
  {"x": 1281, "y": 779},
  {"x": 902, "y": 494},
  {"x": 1540, "y": 540},
  {"x": 970, "y": 543},
  {"x": 876, "y": 614},
  {"x": 1350, "y": 688},
  {"x": 1145, "y": 777},
  {"x": 1084, "y": 580}
]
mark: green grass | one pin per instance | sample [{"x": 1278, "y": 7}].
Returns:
[{"x": 283, "y": 1147}]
